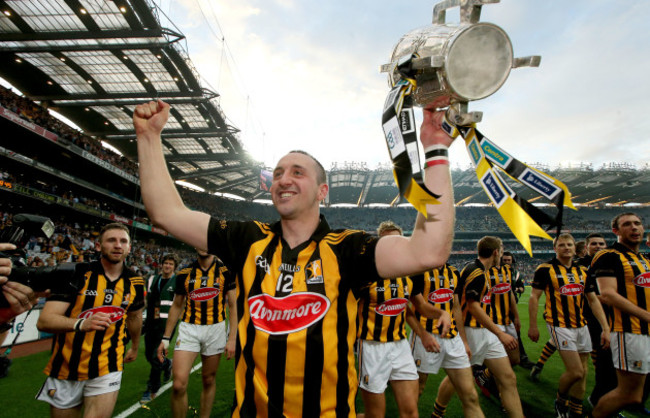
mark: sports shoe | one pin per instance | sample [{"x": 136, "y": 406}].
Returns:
[
  {"x": 561, "y": 411},
  {"x": 147, "y": 397},
  {"x": 167, "y": 373},
  {"x": 535, "y": 372},
  {"x": 526, "y": 364}
]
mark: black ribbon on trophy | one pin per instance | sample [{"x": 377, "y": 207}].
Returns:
[
  {"x": 464, "y": 62},
  {"x": 398, "y": 122}
]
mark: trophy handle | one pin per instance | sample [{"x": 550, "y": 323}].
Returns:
[
  {"x": 531, "y": 61},
  {"x": 460, "y": 116},
  {"x": 470, "y": 10}
]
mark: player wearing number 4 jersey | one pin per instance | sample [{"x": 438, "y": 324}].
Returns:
[
  {"x": 90, "y": 326},
  {"x": 297, "y": 279},
  {"x": 202, "y": 291}
]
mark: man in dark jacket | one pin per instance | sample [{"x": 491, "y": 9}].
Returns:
[{"x": 159, "y": 300}]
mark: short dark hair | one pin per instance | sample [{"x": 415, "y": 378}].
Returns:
[
  {"x": 509, "y": 254},
  {"x": 114, "y": 225},
  {"x": 592, "y": 236},
  {"x": 321, "y": 175},
  {"x": 388, "y": 226},
  {"x": 486, "y": 246},
  {"x": 620, "y": 215},
  {"x": 171, "y": 257}
]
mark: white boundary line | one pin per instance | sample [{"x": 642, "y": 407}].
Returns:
[{"x": 163, "y": 388}]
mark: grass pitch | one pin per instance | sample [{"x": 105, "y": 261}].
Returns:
[{"x": 26, "y": 377}]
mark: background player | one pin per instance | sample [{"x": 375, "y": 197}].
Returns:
[
  {"x": 453, "y": 356},
  {"x": 623, "y": 279},
  {"x": 563, "y": 283},
  {"x": 486, "y": 340},
  {"x": 85, "y": 369},
  {"x": 384, "y": 353},
  {"x": 202, "y": 291}
]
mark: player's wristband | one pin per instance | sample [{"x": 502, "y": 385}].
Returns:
[
  {"x": 165, "y": 341},
  {"x": 77, "y": 325},
  {"x": 436, "y": 154}
]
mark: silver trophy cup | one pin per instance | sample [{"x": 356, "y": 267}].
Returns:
[{"x": 465, "y": 61}]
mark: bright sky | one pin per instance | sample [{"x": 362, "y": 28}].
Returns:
[{"x": 305, "y": 74}]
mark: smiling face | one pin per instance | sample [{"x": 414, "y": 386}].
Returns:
[
  {"x": 114, "y": 245},
  {"x": 168, "y": 268},
  {"x": 565, "y": 249},
  {"x": 295, "y": 190},
  {"x": 595, "y": 244},
  {"x": 629, "y": 231}
]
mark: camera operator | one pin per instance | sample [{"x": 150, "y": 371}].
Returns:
[{"x": 20, "y": 298}]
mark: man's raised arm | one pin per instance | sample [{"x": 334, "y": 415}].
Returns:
[
  {"x": 161, "y": 199},
  {"x": 430, "y": 244}
]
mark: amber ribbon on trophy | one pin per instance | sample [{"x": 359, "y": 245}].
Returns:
[
  {"x": 522, "y": 217},
  {"x": 398, "y": 122}
]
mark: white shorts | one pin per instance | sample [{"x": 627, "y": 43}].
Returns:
[
  {"x": 66, "y": 394},
  {"x": 570, "y": 339},
  {"x": 208, "y": 340},
  {"x": 631, "y": 352},
  {"x": 380, "y": 362},
  {"x": 509, "y": 329},
  {"x": 484, "y": 345},
  {"x": 452, "y": 354}
]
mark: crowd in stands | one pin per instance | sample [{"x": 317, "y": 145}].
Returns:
[
  {"x": 76, "y": 243},
  {"x": 145, "y": 255},
  {"x": 36, "y": 114}
]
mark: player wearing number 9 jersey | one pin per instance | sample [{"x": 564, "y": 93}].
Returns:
[{"x": 90, "y": 326}]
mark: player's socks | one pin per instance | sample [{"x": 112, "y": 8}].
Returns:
[
  {"x": 438, "y": 410},
  {"x": 547, "y": 352}
]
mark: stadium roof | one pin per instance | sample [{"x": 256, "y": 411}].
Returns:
[{"x": 93, "y": 61}]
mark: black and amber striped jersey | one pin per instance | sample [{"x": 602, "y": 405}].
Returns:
[
  {"x": 632, "y": 273},
  {"x": 438, "y": 288},
  {"x": 382, "y": 310},
  {"x": 564, "y": 288},
  {"x": 500, "y": 284},
  {"x": 297, "y": 311},
  {"x": 87, "y": 355},
  {"x": 205, "y": 292},
  {"x": 473, "y": 285}
]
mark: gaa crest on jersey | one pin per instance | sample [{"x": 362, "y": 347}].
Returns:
[
  {"x": 642, "y": 280},
  {"x": 573, "y": 289},
  {"x": 501, "y": 288},
  {"x": 203, "y": 294},
  {"x": 392, "y": 307},
  {"x": 314, "y": 272},
  {"x": 441, "y": 296},
  {"x": 115, "y": 313},
  {"x": 285, "y": 315}
]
